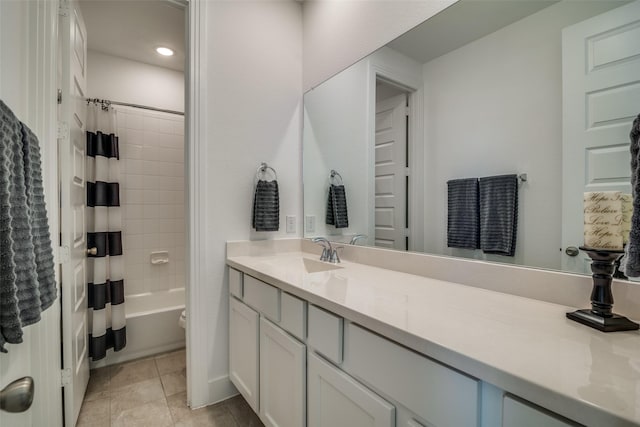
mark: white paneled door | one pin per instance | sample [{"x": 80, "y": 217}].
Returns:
[
  {"x": 601, "y": 67},
  {"x": 72, "y": 143},
  {"x": 390, "y": 173},
  {"x": 27, "y": 87}
]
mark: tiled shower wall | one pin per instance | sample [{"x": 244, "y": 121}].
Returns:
[{"x": 152, "y": 194}]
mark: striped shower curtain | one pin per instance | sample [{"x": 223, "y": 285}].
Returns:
[{"x": 105, "y": 267}]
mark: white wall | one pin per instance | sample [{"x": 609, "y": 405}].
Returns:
[
  {"x": 494, "y": 107},
  {"x": 253, "y": 99},
  {"x": 123, "y": 80},
  {"x": 339, "y": 33}
]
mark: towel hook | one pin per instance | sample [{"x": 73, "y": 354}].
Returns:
[
  {"x": 333, "y": 175},
  {"x": 522, "y": 177},
  {"x": 262, "y": 169}
]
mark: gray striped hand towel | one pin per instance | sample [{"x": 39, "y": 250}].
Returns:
[
  {"x": 463, "y": 226},
  {"x": 266, "y": 206},
  {"x": 499, "y": 214},
  {"x": 337, "y": 214}
]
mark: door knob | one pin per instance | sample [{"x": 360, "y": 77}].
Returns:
[
  {"x": 572, "y": 251},
  {"x": 92, "y": 251},
  {"x": 17, "y": 396}
]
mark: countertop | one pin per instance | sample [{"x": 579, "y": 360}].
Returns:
[{"x": 524, "y": 346}]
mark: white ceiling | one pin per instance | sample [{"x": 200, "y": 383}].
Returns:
[
  {"x": 132, "y": 29},
  {"x": 461, "y": 23}
]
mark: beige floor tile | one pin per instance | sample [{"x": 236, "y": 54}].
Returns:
[
  {"x": 155, "y": 413},
  {"x": 174, "y": 382},
  {"x": 171, "y": 362},
  {"x": 178, "y": 406},
  {"x": 242, "y": 412},
  {"x": 135, "y": 395},
  {"x": 132, "y": 372},
  {"x": 98, "y": 388},
  {"x": 94, "y": 413},
  {"x": 215, "y": 415}
]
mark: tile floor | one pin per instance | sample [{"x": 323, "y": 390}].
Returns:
[{"x": 152, "y": 392}]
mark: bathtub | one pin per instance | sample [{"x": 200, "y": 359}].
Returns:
[{"x": 152, "y": 326}]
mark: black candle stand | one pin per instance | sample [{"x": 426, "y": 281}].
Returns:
[{"x": 601, "y": 316}]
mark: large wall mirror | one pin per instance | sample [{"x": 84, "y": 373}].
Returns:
[{"x": 542, "y": 89}]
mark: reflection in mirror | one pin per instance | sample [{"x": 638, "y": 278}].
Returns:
[{"x": 484, "y": 88}]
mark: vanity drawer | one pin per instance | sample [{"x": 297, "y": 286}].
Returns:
[
  {"x": 439, "y": 395},
  {"x": 235, "y": 282},
  {"x": 325, "y": 333},
  {"x": 293, "y": 317},
  {"x": 516, "y": 413},
  {"x": 264, "y": 298}
]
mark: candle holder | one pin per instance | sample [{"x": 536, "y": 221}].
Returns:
[{"x": 601, "y": 316}]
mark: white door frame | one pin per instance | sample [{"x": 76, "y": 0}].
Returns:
[
  {"x": 411, "y": 82},
  {"x": 198, "y": 389}
]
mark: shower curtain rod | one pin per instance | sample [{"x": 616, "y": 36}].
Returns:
[{"x": 127, "y": 104}]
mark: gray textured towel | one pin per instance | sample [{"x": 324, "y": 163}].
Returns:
[
  {"x": 630, "y": 263},
  {"x": 337, "y": 214},
  {"x": 498, "y": 214},
  {"x": 266, "y": 206},
  {"x": 463, "y": 220},
  {"x": 27, "y": 277}
]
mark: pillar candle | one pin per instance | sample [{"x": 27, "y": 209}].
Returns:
[{"x": 603, "y": 219}]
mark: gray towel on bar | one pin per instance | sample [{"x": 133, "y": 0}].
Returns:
[
  {"x": 337, "y": 214},
  {"x": 266, "y": 206},
  {"x": 498, "y": 214},
  {"x": 463, "y": 220},
  {"x": 630, "y": 263},
  {"x": 27, "y": 275}
]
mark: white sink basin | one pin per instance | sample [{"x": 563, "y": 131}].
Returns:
[{"x": 313, "y": 266}]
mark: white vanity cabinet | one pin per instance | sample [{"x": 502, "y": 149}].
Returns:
[
  {"x": 282, "y": 377},
  {"x": 243, "y": 350},
  {"x": 298, "y": 364},
  {"x": 337, "y": 400},
  {"x": 267, "y": 364}
]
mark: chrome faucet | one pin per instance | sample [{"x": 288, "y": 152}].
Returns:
[
  {"x": 334, "y": 258},
  {"x": 327, "y": 250},
  {"x": 354, "y": 239}
]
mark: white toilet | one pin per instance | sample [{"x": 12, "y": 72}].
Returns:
[{"x": 182, "y": 321}]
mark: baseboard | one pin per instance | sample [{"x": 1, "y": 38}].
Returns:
[{"x": 220, "y": 389}]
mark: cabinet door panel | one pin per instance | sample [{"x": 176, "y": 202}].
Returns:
[
  {"x": 243, "y": 350},
  {"x": 518, "y": 414},
  {"x": 337, "y": 400},
  {"x": 282, "y": 377}
]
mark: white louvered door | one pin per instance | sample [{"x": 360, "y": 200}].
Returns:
[
  {"x": 600, "y": 65},
  {"x": 72, "y": 143}
]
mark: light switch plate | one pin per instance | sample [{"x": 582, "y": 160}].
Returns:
[
  {"x": 310, "y": 223},
  {"x": 291, "y": 224}
]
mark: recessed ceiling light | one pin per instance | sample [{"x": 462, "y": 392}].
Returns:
[{"x": 164, "y": 51}]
